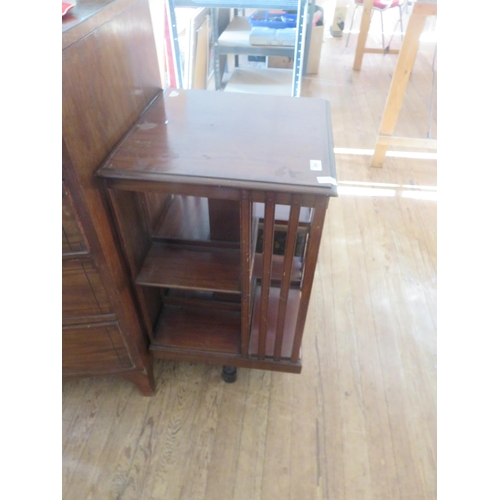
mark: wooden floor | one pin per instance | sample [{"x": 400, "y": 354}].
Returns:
[{"x": 360, "y": 421}]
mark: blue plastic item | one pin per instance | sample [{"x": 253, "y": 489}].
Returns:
[{"x": 274, "y": 19}]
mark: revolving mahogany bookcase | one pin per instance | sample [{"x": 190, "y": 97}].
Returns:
[{"x": 219, "y": 200}]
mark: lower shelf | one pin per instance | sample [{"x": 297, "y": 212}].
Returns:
[
  {"x": 199, "y": 329},
  {"x": 215, "y": 269},
  {"x": 210, "y": 332}
]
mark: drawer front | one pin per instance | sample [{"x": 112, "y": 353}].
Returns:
[
  {"x": 95, "y": 348},
  {"x": 83, "y": 293},
  {"x": 73, "y": 240}
]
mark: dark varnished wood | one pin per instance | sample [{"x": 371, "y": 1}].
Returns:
[
  {"x": 272, "y": 320},
  {"x": 282, "y": 212},
  {"x": 217, "y": 358},
  {"x": 154, "y": 205},
  {"x": 267, "y": 260},
  {"x": 109, "y": 76},
  {"x": 88, "y": 15},
  {"x": 185, "y": 219},
  {"x": 204, "y": 243},
  {"x": 88, "y": 319},
  {"x": 246, "y": 249},
  {"x": 143, "y": 380},
  {"x": 98, "y": 347},
  {"x": 224, "y": 216},
  {"x": 83, "y": 292},
  {"x": 200, "y": 299},
  {"x": 286, "y": 276},
  {"x": 216, "y": 138},
  {"x": 204, "y": 329},
  {"x": 133, "y": 228},
  {"x": 309, "y": 268},
  {"x": 73, "y": 237},
  {"x": 214, "y": 188},
  {"x": 199, "y": 268},
  {"x": 277, "y": 267},
  {"x": 130, "y": 219}
]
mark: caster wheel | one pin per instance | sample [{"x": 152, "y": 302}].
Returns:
[{"x": 229, "y": 374}]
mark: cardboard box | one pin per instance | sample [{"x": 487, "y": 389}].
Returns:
[{"x": 313, "y": 57}]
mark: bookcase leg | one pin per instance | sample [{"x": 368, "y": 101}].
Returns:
[{"x": 229, "y": 374}]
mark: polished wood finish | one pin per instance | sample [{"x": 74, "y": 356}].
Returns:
[
  {"x": 275, "y": 343},
  {"x": 202, "y": 329},
  {"x": 267, "y": 258},
  {"x": 185, "y": 219},
  {"x": 308, "y": 273},
  {"x": 88, "y": 15},
  {"x": 359, "y": 422},
  {"x": 224, "y": 219},
  {"x": 84, "y": 293},
  {"x": 216, "y": 269},
  {"x": 73, "y": 237},
  {"x": 97, "y": 348},
  {"x": 247, "y": 253},
  {"x": 109, "y": 76},
  {"x": 279, "y": 268},
  {"x": 150, "y": 162},
  {"x": 287, "y": 275},
  {"x": 197, "y": 138}
]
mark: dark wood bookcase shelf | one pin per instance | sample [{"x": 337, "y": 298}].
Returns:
[
  {"x": 221, "y": 220},
  {"x": 198, "y": 328},
  {"x": 191, "y": 267}
]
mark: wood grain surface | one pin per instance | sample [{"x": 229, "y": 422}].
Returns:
[
  {"x": 359, "y": 422},
  {"x": 195, "y": 137}
]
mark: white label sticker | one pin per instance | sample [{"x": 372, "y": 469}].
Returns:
[
  {"x": 174, "y": 93},
  {"x": 316, "y": 165},
  {"x": 327, "y": 180}
]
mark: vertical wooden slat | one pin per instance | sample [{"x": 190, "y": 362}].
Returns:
[
  {"x": 309, "y": 267},
  {"x": 245, "y": 252},
  {"x": 291, "y": 239},
  {"x": 267, "y": 257}
]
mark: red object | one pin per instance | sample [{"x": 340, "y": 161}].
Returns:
[
  {"x": 66, "y": 7},
  {"x": 173, "y": 78},
  {"x": 382, "y": 4}
]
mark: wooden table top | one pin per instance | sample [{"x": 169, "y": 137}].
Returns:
[{"x": 232, "y": 140}]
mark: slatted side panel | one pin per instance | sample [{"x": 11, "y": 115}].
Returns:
[
  {"x": 280, "y": 309},
  {"x": 310, "y": 258}
]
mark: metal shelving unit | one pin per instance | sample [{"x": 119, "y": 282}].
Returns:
[{"x": 224, "y": 43}]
